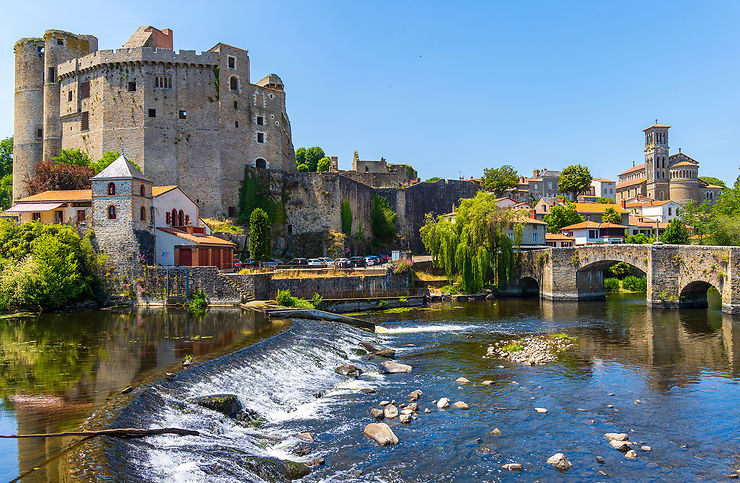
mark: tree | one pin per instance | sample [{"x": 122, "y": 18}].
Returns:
[
  {"x": 561, "y": 216},
  {"x": 6, "y": 191},
  {"x": 303, "y": 168},
  {"x": 639, "y": 239},
  {"x": 300, "y": 156},
  {"x": 575, "y": 179},
  {"x": 498, "y": 180},
  {"x": 675, "y": 233},
  {"x": 107, "y": 159},
  {"x": 382, "y": 219},
  {"x": 611, "y": 216},
  {"x": 433, "y": 179},
  {"x": 698, "y": 216},
  {"x": 324, "y": 164},
  {"x": 713, "y": 180},
  {"x": 254, "y": 192},
  {"x": 604, "y": 200},
  {"x": 73, "y": 157},
  {"x": 259, "y": 235},
  {"x": 313, "y": 155},
  {"x": 49, "y": 175},
  {"x": 6, "y": 156},
  {"x": 621, "y": 270},
  {"x": 346, "y": 217}
]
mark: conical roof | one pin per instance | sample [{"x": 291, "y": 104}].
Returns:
[{"x": 121, "y": 168}]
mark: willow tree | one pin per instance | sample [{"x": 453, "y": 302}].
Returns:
[{"x": 477, "y": 244}]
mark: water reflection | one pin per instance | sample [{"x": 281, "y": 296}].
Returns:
[{"x": 57, "y": 368}]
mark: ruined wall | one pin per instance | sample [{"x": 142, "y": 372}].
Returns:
[{"x": 378, "y": 180}]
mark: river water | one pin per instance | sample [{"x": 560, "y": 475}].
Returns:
[{"x": 670, "y": 376}]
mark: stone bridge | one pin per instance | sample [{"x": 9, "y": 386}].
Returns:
[{"x": 677, "y": 275}]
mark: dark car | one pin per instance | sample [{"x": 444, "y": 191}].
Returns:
[
  {"x": 358, "y": 262},
  {"x": 249, "y": 263},
  {"x": 299, "y": 261},
  {"x": 384, "y": 258},
  {"x": 237, "y": 264}
]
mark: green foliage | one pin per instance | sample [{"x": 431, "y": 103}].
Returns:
[
  {"x": 254, "y": 192},
  {"x": 498, "y": 180},
  {"x": 72, "y": 157},
  {"x": 346, "y": 217},
  {"x": 561, "y": 216},
  {"x": 310, "y": 157},
  {"x": 635, "y": 284},
  {"x": 107, "y": 159},
  {"x": 450, "y": 289},
  {"x": 477, "y": 246},
  {"x": 382, "y": 219},
  {"x": 620, "y": 270},
  {"x": 611, "y": 285},
  {"x": 612, "y": 216},
  {"x": 286, "y": 300},
  {"x": 604, "y": 201},
  {"x": 198, "y": 300},
  {"x": 433, "y": 179},
  {"x": 47, "y": 266},
  {"x": 639, "y": 239},
  {"x": 727, "y": 231},
  {"x": 300, "y": 157},
  {"x": 303, "y": 168},
  {"x": 6, "y": 156},
  {"x": 512, "y": 347},
  {"x": 259, "y": 235},
  {"x": 6, "y": 191},
  {"x": 324, "y": 164},
  {"x": 317, "y": 300},
  {"x": 713, "y": 180},
  {"x": 675, "y": 233},
  {"x": 575, "y": 179}
]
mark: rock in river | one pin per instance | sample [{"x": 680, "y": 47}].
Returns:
[
  {"x": 381, "y": 433},
  {"x": 619, "y": 445},
  {"x": 405, "y": 418},
  {"x": 631, "y": 454},
  {"x": 227, "y": 404},
  {"x": 461, "y": 405},
  {"x": 387, "y": 353},
  {"x": 348, "y": 370},
  {"x": 415, "y": 395},
  {"x": 559, "y": 461},
  {"x": 512, "y": 466},
  {"x": 495, "y": 432},
  {"x": 390, "y": 411},
  {"x": 377, "y": 413},
  {"x": 540, "y": 410},
  {"x": 487, "y": 382},
  {"x": 461, "y": 380},
  {"x": 391, "y": 367},
  {"x": 616, "y": 436},
  {"x": 307, "y": 437},
  {"x": 443, "y": 403},
  {"x": 273, "y": 469}
]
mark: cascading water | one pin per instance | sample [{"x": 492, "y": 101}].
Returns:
[{"x": 286, "y": 380}]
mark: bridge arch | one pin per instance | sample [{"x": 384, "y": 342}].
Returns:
[
  {"x": 529, "y": 287},
  {"x": 694, "y": 294},
  {"x": 590, "y": 277}
]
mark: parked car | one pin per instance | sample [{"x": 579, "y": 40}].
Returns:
[
  {"x": 372, "y": 260},
  {"x": 315, "y": 262},
  {"x": 384, "y": 258},
  {"x": 343, "y": 263},
  {"x": 237, "y": 264},
  {"x": 358, "y": 262},
  {"x": 299, "y": 261},
  {"x": 249, "y": 263},
  {"x": 327, "y": 261}
]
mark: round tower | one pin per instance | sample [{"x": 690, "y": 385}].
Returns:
[
  {"x": 684, "y": 182},
  {"x": 28, "y": 141}
]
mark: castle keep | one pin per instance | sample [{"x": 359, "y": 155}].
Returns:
[{"x": 194, "y": 120}]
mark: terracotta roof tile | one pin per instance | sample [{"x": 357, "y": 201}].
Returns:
[
  {"x": 591, "y": 224},
  {"x": 631, "y": 183},
  {"x": 59, "y": 195},
  {"x": 633, "y": 168},
  {"x": 558, "y": 236},
  {"x": 197, "y": 238},
  {"x": 586, "y": 207}
]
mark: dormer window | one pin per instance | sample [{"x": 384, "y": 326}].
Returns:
[{"x": 111, "y": 189}]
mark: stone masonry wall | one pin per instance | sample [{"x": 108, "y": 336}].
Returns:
[{"x": 185, "y": 281}]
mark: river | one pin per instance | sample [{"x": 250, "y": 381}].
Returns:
[{"x": 670, "y": 377}]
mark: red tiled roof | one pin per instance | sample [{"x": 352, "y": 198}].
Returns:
[
  {"x": 558, "y": 236},
  {"x": 591, "y": 224},
  {"x": 631, "y": 183},
  {"x": 587, "y": 207},
  {"x": 197, "y": 238},
  {"x": 633, "y": 168},
  {"x": 58, "y": 195}
]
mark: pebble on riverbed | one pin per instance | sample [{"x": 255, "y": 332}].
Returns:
[{"x": 531, "y": 350}]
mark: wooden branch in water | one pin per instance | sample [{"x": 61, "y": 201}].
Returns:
[{"x": 120, "y": 432}]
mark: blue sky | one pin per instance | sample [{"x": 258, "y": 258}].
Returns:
[{"x": 455, "y": 87}]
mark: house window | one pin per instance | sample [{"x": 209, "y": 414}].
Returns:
[
  {"x": 232, "y": 62},
  {"x": 36, "y": 216},
  {"x": 84, "y": 121},
  {"x": 181, "y": 218},
  {"x": 152, "y": 113},
  {"x": 260, "y": 121},
  {"x": 80, "y": 216},
  {"x": 142, "y": 214},
  {"x": 670, "y": 211},
  {"x": 85, "y": 90},
  {"x": 234, "y": 83},
  {"x": 593, "y": 234},
  {"x": 111, "y": 189},
  {"x": 111, "y": 212},
  {"x": 236, "y": 123},
  {"x": 534, "y": 236},
  {"x": 141, "y": 190},
  {"x": 168, "y": 220},
  {"x": 174, "y": 217},
  {"x": 69, "y": 96},
  {"x": 182, "y": 114},
  {"x": 260, "y": 137},
  {"x": 163, "y": 81},
  {"x": 50, "y": 75},
  {"x": 58, "y": 217}
]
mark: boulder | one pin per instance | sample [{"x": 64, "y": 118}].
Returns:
[
  {"x": 461, "y": 380},
  {"x": 307, "y": 437},
  {"x": 316, "y": 462},
  {"x": 381, "y": 433},
  {"x": 600, "y": 460},
  {"x": 443, "y": 403},
  {"x": 495, "y": 432},
  {"x": 390, "y": 411},
  {"x": 559, "y": 461},
  {"x": 540, "y": 410},
  {"x": 348, "y": 370},
  {"x": 646, "y": 448},
  {"x": 367, "y": 390},
  {"x": 391, "y": 367},
  {"x": 387, "y": 353},
  {"x": 460, "y": 405},
  {"x": 301, "y": 449},
  {"x": 383, "y": 403},
  {"x": 512, "y": 466},
  {"x": 249, "y": 416},
  {"x": 369, "y": 347},
  {"x": 616, "y": 436},
  {"x": 405, "y": 418},
  {"x": 415, "y": 395},
  {"x": 619, "y": 445},
  {"x": 406, "y": 412},
  {"x": 227, "y": 404},
  {"x": 413, "y": 407},
  {"x": 631, "y": 454},
  {"x": 487, "y": 382},
  {"x": 273, "y": 469},
  {"x": 377, "y": 413}
]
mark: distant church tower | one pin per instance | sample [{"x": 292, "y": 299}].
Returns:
[{"x": 657, "y": 178}]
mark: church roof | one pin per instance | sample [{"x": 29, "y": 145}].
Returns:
[
  {"x": 684, "y": 163},
  {"x": 682, "y": 155},
  {"x": 633, "y": 168},
  {"x": 630, "y": 183},
  {"x": 121, "y": 168},
  {"x": 664, "y": 126}
]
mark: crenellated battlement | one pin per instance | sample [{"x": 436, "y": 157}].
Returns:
[{"x": 138, "y": 54}]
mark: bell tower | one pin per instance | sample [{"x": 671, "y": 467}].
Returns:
[{"x": 657, "y": 178}]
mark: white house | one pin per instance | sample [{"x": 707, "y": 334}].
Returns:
[
  {"x": 663, "y": 211},
  {"x": 58, "y": 206},
  {"x": 603, "y": 188},
  {"x": 558, "y": 240},
  {"x": 593, "y": 232}
]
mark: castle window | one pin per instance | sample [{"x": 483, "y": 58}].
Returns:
[
  {"x": 152, "y": 113},
  {"x": 60, "y": 42},
  {"x": 182, "y": 114},
  {"x": 163, "y": 81},
  {"x": 50, "y": 75},
  {"x": 69, "y": 96},
  {"x": 111, "y": 189},
  {"x": 84, "y": 121},
  {"x": 141, "y": 190},
  {"x": 236, "y": 123},
  {"x": 39, "y": 133},
  {"x": 259, "y": 99},
  {"x": 142, "y": 214},
  {"x": 132, "y": 86},
  {"x": 111, "y": 212},
  {"x": 260, "y": 137},
  {"x": 234, "y": 83},
  {"x": 231, "y": 62},
  {"x": 260, "y": 163},
  {"x": 85, "y": 90},
  {"x": 260, "y": 121},
  {"x": 236, "y": 105}
]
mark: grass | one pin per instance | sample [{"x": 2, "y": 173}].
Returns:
[
  {"x": 428, "y": 277},
  {"x": 451, "y": 289},
  {"x": 562, "y": 336},
  {"x": 223, "y": 226},
  {"x": 512, "y": 347},
  {"x": 308, "y": 273}
]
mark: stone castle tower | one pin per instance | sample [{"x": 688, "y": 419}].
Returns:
[
  {"x": 657, "y": 175},
  {"x": 37, "y": 127},
  {"x": 188, "y": 119}
]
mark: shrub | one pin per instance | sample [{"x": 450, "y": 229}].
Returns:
[
  {"x": 451, "y": 289},
  {"x": 286, "y": 300},
  {"x": 635, "y": 284},
  {"x": 317, "y": 301},
  {"x": 198, "y": 300},
  {"x": 512, "y": 347},
  {"x": 611, "y": 285},
  {"x": 620, "y": 270},
  {"x": 402, "y": 265},
  {"x": 259, "y": 235}
]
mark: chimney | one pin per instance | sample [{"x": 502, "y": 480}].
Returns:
[
  {"x": 190, "y": 229},
  {"x": 532, "y": 214}
]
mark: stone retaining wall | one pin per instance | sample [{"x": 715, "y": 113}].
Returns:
[{"x": 161, "y": 285}]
